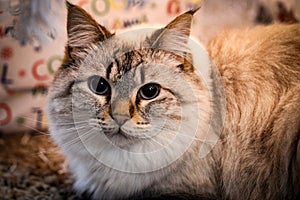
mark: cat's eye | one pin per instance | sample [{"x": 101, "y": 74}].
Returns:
[
  {"x": 149, "y": 91},
  {"x": 98, "y": 85}
]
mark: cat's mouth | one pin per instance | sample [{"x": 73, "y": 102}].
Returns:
[
  {"x": 119, "y": 133},
  {"x": 121, "y": 138}
]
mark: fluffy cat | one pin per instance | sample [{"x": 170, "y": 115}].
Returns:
[{"x": 149, "y": 116}]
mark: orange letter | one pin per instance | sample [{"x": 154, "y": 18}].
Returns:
[{"x": 35, "y": 73}]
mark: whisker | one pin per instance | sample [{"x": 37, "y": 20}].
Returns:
[
  {"x": 33, "y": 120},
  {"x": 71, "y": 123},
  {"x": 76, "y": 139},
  {"x": 71, "y": 142},
  {"x": 46, "y": 123},
  {"x": 75, "y": 128},
  {"x": 36, "y": 130}
]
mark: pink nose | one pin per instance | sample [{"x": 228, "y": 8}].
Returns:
[{"x": 121, "y": 118}]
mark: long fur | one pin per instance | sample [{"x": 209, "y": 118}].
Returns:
[{"x": 178, "y": 144}]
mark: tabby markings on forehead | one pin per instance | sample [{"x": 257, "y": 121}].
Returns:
[{"x": 122, "y": 64}]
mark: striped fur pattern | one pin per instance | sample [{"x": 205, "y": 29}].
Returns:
[{"x": 257, "y": 155}]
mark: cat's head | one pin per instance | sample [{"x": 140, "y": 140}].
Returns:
[{"x": 134, "y": 101}]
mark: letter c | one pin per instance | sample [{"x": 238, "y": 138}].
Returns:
[{"x": 35, "y": 73}]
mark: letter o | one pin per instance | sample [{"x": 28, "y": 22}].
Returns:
[
  {"x": 173, "y": 7},
  {"x": 102, "y": 12},
  {"x": 7, "y": 119}
]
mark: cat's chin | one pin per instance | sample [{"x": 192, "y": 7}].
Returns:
[{"x": 121, "y": 139}]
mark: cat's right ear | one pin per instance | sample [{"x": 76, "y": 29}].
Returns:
[
  {"x": 175, "y": 35},
  {"x": 82, "y": 30}
]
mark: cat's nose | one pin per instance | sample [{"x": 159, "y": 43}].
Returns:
[
  {"x": 120, "y": 119},
  {"x": 120, "y": 111}
]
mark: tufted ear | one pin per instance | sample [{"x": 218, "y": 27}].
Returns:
[
  {"x": 175, "y": 34},
  {"x": 174, "y": 38},
  {"x": 82, "y": 29}
]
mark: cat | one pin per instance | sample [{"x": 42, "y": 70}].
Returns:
[{"x": 151, "y": 116}]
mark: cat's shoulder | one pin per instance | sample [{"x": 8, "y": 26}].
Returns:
[
  {"x": 270, "y": 34},
  {"x": 249, "y": 41},
  {"x": 244, "y": 48}
]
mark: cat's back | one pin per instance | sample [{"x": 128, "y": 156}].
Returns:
[
  {"x": 258, "y": 66},
  {"x": 269, "y": 50},
  {"x": 260, "y": 72}
]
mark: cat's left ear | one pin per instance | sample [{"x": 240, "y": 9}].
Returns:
[
  {"x": 83, "y": 30},
  {"x": 175, "y": 34}
]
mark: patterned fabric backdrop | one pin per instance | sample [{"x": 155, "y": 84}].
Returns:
[{"x": 26, "y": 71}]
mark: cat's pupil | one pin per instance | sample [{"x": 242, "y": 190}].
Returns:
[
  {"x": 98, "y": 85},
  {"x": 149, "y": 91}
]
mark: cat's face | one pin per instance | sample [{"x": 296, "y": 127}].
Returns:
[
  {"x": 133, "y": 97},
  {"x": 117, "y": 99}
]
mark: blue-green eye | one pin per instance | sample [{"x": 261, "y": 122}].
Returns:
[
  {"x": 98, "y": 85},
  {"x": 149, "y": 91}
]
